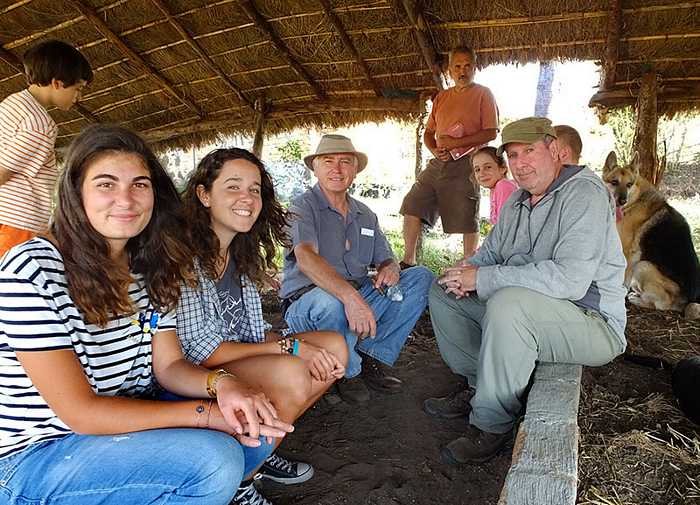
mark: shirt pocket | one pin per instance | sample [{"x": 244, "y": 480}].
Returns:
[{"x": 366, "y": 249}]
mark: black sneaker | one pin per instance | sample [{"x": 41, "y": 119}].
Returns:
[
  {"x": 404, "y": 265},
  {"x": 450, "y": 406},
  {"x": 375, "y": 376},
  {"x": 247, "y": 494},
  {"x": 284, "y": 471},
  {"x": 352, "y": 390}
]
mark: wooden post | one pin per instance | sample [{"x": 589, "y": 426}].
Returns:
[
  {"x": 259, "y": 127},
  {"x": 644, "y": 143},
  {"x": 612, "y": 48},
  {"x": 420, "y": 129}
]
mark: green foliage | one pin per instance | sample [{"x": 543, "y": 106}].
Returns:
[
  {"x": 292, "y": 150},
  {"x": 622, "y": 121},
  {"x": 434, "y": 255}
]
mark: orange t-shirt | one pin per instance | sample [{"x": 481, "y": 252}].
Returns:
[
  {"x": 475, "y": 108},
  {"x": 27, "y": 137}
]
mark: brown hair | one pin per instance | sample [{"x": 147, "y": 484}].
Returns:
[
  {"x": 53, "y": 59},
  {"x": 252, "y": 252},
  {"x": 500, "y": 159},
  {"x": 570, "y": 137},
  {"x": 97, "y": 285}
]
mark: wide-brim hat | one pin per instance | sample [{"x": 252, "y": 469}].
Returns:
[
  {"x": 526, "y": 131},
  {"x": 336, "y": 144}
]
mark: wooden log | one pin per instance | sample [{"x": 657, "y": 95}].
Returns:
[
  {"x": 545, "y": 457},
  {"x": 613, "y": 45},
  {"x": 645, "y": 133},
  {"x": 259, "y": 127},
  {"x": 424, "y": 39}
]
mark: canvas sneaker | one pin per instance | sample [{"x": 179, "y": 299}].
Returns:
[
  {"x": 284, "y": 471},
  {"x": 248, "y": 494}
]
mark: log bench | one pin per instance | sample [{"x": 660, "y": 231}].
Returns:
[{"x": 544, "y": 470}]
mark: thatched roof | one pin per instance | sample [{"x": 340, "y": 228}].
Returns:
[{"x": 182, "y": 71}]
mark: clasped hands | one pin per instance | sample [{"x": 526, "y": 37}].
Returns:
[
  {"x": 245, "y": 413},
  {"x": 459, "y": 280}
]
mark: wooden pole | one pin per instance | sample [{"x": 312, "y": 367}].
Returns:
[
  {"x": 259, "y": 127},
  {"x": 420, "y": 129},
  {"x": 613, "y": 46},
  {"x": 423, "y": 37},
  {"x": 644, "y": 143}
]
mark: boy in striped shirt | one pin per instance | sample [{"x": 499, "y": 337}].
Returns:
[{"x": 56, "y": 74}]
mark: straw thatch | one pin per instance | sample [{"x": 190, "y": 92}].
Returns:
[{"x": 184, "y": 71}]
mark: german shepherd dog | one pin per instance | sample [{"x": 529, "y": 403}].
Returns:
[{"x": 662, "y": 268}]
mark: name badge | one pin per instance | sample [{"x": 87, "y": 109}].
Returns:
[{"x": 367, "y": 232}]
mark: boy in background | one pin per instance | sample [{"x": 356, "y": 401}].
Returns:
[{"x": 56, "y": 73}]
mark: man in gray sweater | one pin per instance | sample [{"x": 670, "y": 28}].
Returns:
[{"x": 546, "y": 285}]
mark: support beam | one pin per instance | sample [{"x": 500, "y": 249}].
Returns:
[
  {"x": 666, "y": 93},
  {"x": 15, "y": 63},
  {"x": 137, "y": 60},
  {"x": 612, "y": 48},
  {"x": 644, "y": 143},
  {"x": 242, "y": 121},
  {"x": 263, "y": 25},
  {"x": 420, "y": 130},
  {"x": 338, "y": 25},
  {"x": 260, "y": 114},
  {"x": 425, "y": 41},
  {"x": 200, "y": 52}
]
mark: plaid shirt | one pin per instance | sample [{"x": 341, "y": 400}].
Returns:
[{"x": 201, "y": 326}]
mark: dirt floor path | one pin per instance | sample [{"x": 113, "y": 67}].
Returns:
[{"x": 388, "y": 451}]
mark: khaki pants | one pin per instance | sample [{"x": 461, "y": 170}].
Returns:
[{"x": 496, "y": 343}]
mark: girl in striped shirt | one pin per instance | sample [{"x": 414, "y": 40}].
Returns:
[{"x": 87, "y": 327}]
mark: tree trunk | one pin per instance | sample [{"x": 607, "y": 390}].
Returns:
[
  {"x": 644, "y": 143},
  {"x": 544, "y": 89}
]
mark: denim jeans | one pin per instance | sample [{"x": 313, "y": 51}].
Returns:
[
  {"x": 317, "y": 310},
  {"x": 252, "y": 456},
  {"x": 177, "y": 465}
]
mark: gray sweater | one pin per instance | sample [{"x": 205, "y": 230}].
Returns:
[{"x": 566, "y": 247}]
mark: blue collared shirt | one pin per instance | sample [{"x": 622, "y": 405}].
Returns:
[{"x": 349, "y": 244}]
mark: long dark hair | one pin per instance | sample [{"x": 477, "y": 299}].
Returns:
[
  {"x": 98, "y": 286},
  {"x": 254, "y": 251}
]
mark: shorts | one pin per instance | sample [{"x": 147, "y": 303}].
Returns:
[
  {"x": 446, "y": 188},
  {"x": 11, "y": 236}
]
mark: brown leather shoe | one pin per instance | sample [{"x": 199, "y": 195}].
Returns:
[
  {"x": 475, "y": 447},
  {"x": 451, "y": 406},
  {"x": 375, "y": 376}
]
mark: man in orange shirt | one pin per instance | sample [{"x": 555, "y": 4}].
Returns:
[
  {"x": 463, "y": 118},
  {"x": 56, "y": 73}
]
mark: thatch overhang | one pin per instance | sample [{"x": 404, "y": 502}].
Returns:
[{"x": 184, "y": 71}]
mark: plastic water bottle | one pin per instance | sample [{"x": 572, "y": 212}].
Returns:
[{"x": 394, "y": 293}]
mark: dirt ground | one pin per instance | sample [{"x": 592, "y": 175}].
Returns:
[{"x": 636, "y": 446}]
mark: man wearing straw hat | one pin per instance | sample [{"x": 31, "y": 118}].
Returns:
[
  {"x": 546, "y": 285},
  {"x": 326, "y": 286},
  {"x": 463, "y": 118}
]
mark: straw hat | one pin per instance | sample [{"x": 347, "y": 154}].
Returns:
[{"x": 336, "y": 144}]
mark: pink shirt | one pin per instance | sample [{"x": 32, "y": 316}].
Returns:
[{"x": 499, "y": 194}]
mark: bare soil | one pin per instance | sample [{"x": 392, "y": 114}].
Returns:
[{"x": 636, "y": 446}]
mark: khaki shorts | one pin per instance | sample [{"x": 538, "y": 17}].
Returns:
[{"x": 446, "y": 188}]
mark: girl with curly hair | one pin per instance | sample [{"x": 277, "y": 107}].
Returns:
[{"x": 235, "y": 223}]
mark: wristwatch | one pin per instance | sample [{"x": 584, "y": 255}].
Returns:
[{"x": 213, "y": 378}]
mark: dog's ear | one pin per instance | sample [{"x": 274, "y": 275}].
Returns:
[
  {"x": 634, "y": 163},
  {"x": 610, "y": 162}
]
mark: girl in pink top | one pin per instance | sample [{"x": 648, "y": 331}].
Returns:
[{"x": 491, "y": 171}]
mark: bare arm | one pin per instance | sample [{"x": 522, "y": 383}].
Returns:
[
  {"x": 479, "y": 138},
  {"x": 5, "y": 175},
  {"x": 431, "y": 143},
  {"x": 360, "y": 316},
  {"x": 233, "y": 351}
]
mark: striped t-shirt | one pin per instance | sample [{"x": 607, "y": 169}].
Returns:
[
  {"x": 38, "y": 314},
  {"x": 27, "y": 138}
]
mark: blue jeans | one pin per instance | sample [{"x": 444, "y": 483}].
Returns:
[
  {"x": 173, "y": 466},
  {"x": 317, "y": 310},
  {"x": 252, "y": 456}
]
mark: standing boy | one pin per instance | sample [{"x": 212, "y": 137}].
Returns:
[{"x": 56, "y": 74}]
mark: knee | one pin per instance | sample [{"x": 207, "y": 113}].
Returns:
[
  {"x": 417, "y": 278},
  {"x": 326, "y": 306},
  {"x": 295, "y": 383},
  {"x": 336, "y": 345},
  {"x": 508, "y": 304}
]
